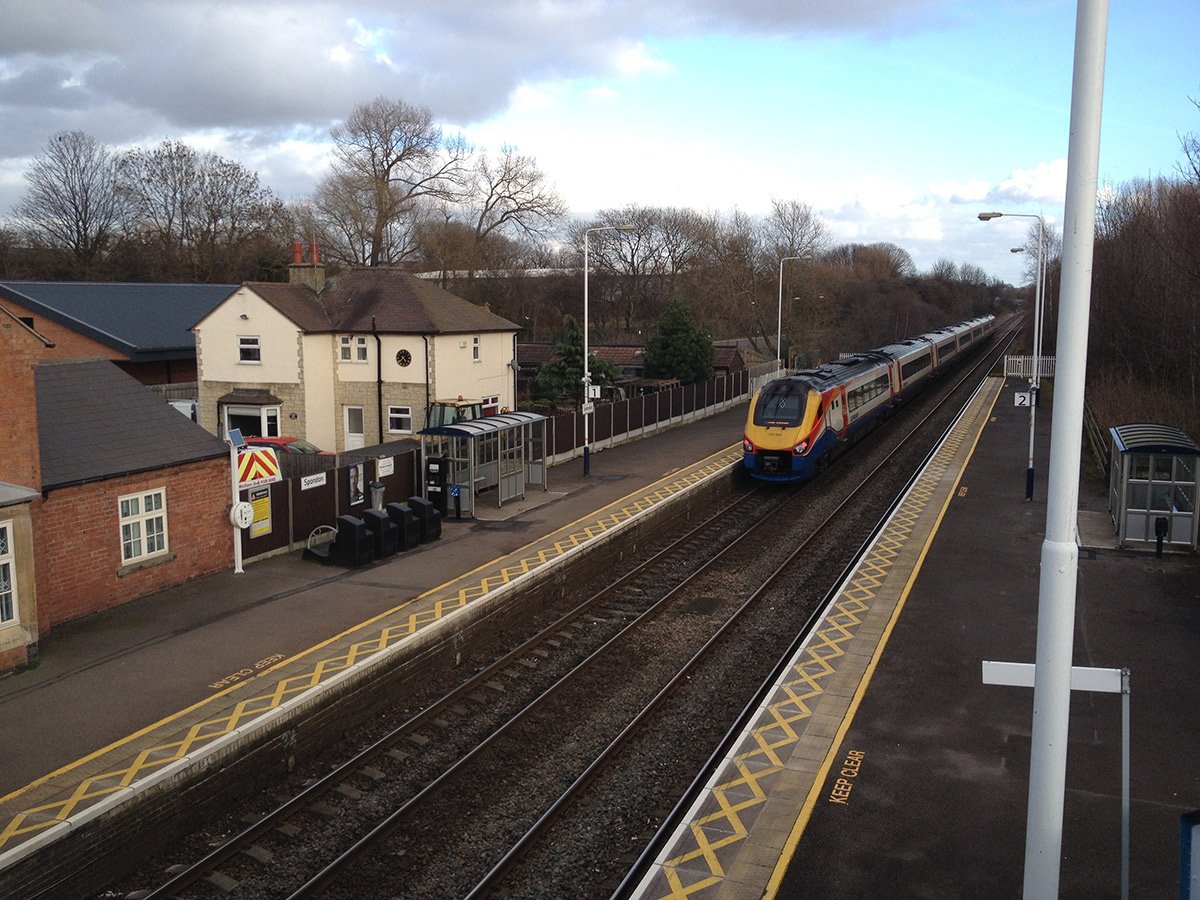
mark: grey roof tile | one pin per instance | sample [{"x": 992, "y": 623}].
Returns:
[
  {"x": 96, "y": 422},
  {"x": 145, "y": 321}
]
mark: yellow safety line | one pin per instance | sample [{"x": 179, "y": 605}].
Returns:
[
  {"x": 155, "y": 757},
  {"x": 810, "y": 802},
  {"x": 772, "y": 733}
]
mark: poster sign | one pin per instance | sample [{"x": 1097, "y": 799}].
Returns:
[
  {"x": 355, "y": 474},
  {"x": 385, "y": 465},
  {"x": 260, "y": 502}
]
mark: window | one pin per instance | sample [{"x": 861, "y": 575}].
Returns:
[
  {"x": 254, "y": 421},
  {"x": 475, "y": 348},
  {"x": 353, "y": 348},
  {"x": 491, "y": 405},
  {"x": 249, "y": 350},
  {"x": 143, "y": 525},
  {"x": 8, "y": 577},
  {"x": 400, "y": 419}
]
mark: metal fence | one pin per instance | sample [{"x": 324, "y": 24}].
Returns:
[
  {"x": 627, "y": 420},
  {"x": 1022, "y": 366}
]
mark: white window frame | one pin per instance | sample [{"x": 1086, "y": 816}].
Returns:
[
  {"x": 400, "y": 412},
  {"x": 353, "y": 348},
  {"x": 9, "y": 609},
  {"x": 248, "y": 343},
  {"x": 475, "y": 354},
  {"x": 270, "y": 418},
  {"x": 136, "y": 538},
  {"x": 490, "y": 402}
]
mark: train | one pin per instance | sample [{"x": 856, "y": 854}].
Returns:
[{"x": 798, "y": 423}]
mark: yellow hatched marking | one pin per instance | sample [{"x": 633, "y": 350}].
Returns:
[
  {"x": 95, "y": 787},
  {"x": 773, "y": 740}
]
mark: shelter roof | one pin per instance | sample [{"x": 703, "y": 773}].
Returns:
[
  {"x": 1149, "y": 438},
  {"x": 487, "y": 425}
]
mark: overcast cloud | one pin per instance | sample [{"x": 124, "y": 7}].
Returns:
[{"x": 262, "y": 82}]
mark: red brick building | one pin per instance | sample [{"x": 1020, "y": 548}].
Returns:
[
  {"x": 145, "y": 329},
  {"x": 106, "y": 492}
]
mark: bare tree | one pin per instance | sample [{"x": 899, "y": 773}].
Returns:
[
  {"x": 388, "y": 156},
  {"x": 793, "y": 229},
  {"x": 509, "y": 195},
  {"x": 196, "y": 213},
  {"x": 72, "y": 201}
]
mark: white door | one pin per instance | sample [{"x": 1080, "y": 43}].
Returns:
[{"x": 355, "y": 432}]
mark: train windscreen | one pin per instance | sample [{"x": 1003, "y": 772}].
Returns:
[{"x": 781, "y": 404}]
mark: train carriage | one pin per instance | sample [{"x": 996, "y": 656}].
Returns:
[{"x": 799, "y": 422}]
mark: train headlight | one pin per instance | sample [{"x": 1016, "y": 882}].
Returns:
[
  {"x": 800, "y": 448},
  {"x": 747, "y": 445}
]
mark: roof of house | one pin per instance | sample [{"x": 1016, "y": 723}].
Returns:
[
  {"x": 96, "y": 422},
  {"x": 143, "y": 321},
  {"x": 388, "y": 300}
]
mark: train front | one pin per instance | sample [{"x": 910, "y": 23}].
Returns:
[{"x": 780, "y": 442}]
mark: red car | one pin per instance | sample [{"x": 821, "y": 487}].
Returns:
[{"x": 285, "y": 444}]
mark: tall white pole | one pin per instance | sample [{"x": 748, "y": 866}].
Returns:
[
  {"x": 587, "y": 368},
  {"x": 1060, "y": 553},
  {"x": 779, "y": 322},
  {"x": 587, "y": 372},
  {"x": 1037, "y": 356}
]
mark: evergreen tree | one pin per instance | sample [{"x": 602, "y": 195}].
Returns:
[
  {"x": 562, "y": 377},
  {"x": 679, "y": 348}
]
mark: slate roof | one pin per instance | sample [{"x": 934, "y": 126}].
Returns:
[
  {"x": 96, "y": 422},
  {"x": 144, "y": 321},
  {"x": 400, "y": 303}
]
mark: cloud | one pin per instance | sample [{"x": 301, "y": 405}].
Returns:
[{"x": 1045, "y": 183}]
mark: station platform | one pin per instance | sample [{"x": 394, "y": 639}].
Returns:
[
  {"x": 125, "y": 701},
  {"x": 128, "y": 701},
  {"x": 882, "y": 766}
]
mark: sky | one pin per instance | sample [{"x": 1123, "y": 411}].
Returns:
[{"x": 894, "y": 120}]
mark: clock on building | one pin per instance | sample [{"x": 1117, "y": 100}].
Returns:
[{"x": 403, "y": 357}]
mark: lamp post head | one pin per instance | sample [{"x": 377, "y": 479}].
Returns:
[
  {"x": 1017, "y": 250},
  {"x": 625, "y": 229},
  {"x": 987, "y": 216}
]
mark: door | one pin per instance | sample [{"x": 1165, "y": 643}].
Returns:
[{"x": 355, "y": 430}]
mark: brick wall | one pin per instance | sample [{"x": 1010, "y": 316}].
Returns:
[
  {"x": 79, "y": 567},
  {"x": 68, "y": 344},
  {"x": 20, "y": 461}
]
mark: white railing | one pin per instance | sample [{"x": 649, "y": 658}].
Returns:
[{"x": 1022, "y": 367}]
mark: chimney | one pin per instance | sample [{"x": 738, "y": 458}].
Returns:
[{"x": 310, "y": 274}]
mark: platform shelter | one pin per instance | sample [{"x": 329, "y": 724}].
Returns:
[
  {"x": 462, "y": 461},
  {"x": 1153, "y": 490}
]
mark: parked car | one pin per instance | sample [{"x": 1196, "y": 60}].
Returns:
[{"x": 285, "y": 444}]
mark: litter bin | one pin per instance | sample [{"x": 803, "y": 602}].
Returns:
[{"x": 377, "y": 495}]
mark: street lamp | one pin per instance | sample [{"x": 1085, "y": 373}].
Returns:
[
  {"x": 779, "y": 324},
  {"x": 587, "y": 369},
  {"x": 1035, "y": 378}
]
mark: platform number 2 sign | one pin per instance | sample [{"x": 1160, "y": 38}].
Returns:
[{"x": 1022, "y": 398}]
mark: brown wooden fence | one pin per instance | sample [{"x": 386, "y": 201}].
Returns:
[{"x": 287, "y": 512}]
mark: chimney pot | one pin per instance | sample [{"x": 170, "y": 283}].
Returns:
[{"x": 297, "y": 252}]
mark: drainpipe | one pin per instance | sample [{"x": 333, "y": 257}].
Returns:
[
  {"x": 428, "y": 400},
  {"x": 378, "y": 378}
]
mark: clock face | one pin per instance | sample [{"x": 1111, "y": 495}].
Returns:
[{"x": 403, "y": 357}]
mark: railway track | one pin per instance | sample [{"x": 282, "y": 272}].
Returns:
[{"x": 603, "y": 679}]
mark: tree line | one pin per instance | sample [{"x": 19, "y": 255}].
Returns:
[{"x": 399, "y": 192}]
